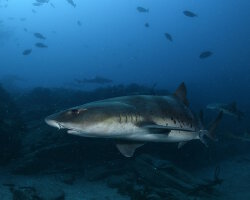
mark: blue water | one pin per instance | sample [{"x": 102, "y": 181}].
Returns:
[
  {"x": 109, "y": 39},
  {"x": 114, "y": 43}
]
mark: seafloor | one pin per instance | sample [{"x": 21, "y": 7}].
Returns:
[{"x": 38, "y": 162}]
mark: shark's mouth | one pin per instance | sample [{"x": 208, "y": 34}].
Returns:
[
  {"x": 60, "y": 126},
  {"x": 69, "y": 130}
]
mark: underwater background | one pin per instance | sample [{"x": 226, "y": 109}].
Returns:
[{"x": 57, "y": 54}]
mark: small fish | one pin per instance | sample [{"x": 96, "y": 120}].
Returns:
[
  {"x": 71, "y": 2},
  {"x": 25, "y": 29},
  {"x": 27, "y": 52},
  {"x": 205, "y": 54},
  {"x": 79, "y": 23},
  {"x": 189, "y": 13},
  {"x": 37, "y": 4},
  {"x": 52, "y": 5},
  {"x": 169, "y": 37},
  {"x": 22, "y": 19},
  {"x": 96, "y": 80},
  {"x": 42, "y": 1},
  {"x": 146, "y": 25},
  {"x": 142, "y": 10},
  {"x": 40, "y": 36},
  {"x": 41, "y": 45}
]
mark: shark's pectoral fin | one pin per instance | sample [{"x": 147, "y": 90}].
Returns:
[{"x": 127, "y": 149}]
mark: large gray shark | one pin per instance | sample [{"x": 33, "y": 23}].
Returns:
[
  {"x": 229, "y": 109},
  {"x": 135, "y": 120}
]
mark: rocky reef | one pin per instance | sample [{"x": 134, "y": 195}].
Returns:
[
  {"x": 12, "y": 128},
  {"x": 30, "y": 148}
]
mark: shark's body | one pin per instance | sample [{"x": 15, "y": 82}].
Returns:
[
  {"x": 133, "y": 120},
  {"x": 228, "y": 109}
]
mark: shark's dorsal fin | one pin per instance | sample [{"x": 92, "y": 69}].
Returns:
[
  {"x": 128, "y": 150},
  {"x": 181, "y": 93}
]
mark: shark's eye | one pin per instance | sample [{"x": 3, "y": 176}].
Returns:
[{"x": 75, "y": 111}]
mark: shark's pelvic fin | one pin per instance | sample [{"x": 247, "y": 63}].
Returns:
[
  {"x": 181, "y": 144},
  {"x": 128, "y": 150},
  {"x": 181, "y": 93}
]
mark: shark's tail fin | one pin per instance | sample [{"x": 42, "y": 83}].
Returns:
[
  {"x": 214, "y": 125},
  {"x": 210, "y": 133}
]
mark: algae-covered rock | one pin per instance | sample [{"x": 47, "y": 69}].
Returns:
[{"x": 11, "y": 128}]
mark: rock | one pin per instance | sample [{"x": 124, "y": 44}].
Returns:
[
  {"x": 153, "y": 196},
  {"x": 104, "y": 171},
  {"x": 11, "y": 128},
  {"x": 25, "y": 193},
  {"x": 115, "y": 181},
  {"x": 159, "y": 178},
  {"x": 68, "y": 179}
]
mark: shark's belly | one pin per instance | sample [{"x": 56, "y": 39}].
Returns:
[
  {"x": 173, "y": 136},
  {"x": 129, "y": 131}
]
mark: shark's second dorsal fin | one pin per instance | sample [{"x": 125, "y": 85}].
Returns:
[{"x": 181, "y": 93}]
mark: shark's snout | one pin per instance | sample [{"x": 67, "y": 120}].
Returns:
[{"x": 52, "y": 122}]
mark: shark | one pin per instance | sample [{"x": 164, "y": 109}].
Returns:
[
  {"x": 132, "y": 121},
  {"x": 228, "y": 109},
  {"x": 244, "y": 137}
]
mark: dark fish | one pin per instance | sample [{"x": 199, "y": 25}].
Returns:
[
  {"x": 71, "y": 2},
  {"x": 41, "y": 45},
  {"x": 42, "y": 1},
  {"x": 40, "y": 36},
  {"x": 96, "y": 80},
  {"x": 189, "y": 13},
  {"x": 146, "y": 25},
  {"x": 27, "y": 52},
  {"x": 205, "y": 54},
  {"x": 142, "y": 10},
  {"x": 168, "y": 36},
  {"x": 37, "y": 4},
  {"x": 52, "y": 5},
  {"x": 22, "y": 19},
  {"x": 79, "y": 23}
]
